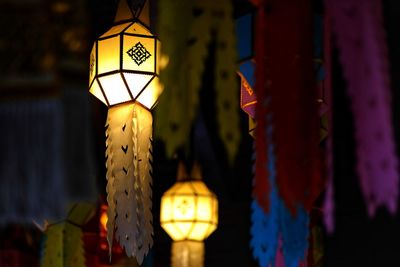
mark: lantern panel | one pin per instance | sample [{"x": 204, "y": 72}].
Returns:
[
  {"x": 109, "y": 56},
  {"x": 96, "y": 91},
  {"x": 166, "y": 209},
  {"x": 183, "y": 208},
  {"x": 182, "y": 188},
  {"x": 150, "y": 95},
  {"x": 138, "y": 28},
  {"x": 173, "y": 231},
  {"x": 114, "y": 89},
  {"x": 183, "y": 228},
  {"x": 210, "y": 230},
  {"x": 139, "y": 53},
  {"x": 93, "y": 63},
  {"x": 115, "y": 30},
  {"x": 201, "y": 188},
  {"x": 158, "y": 59},
  {"x": 214, "y": 218},
  {"x": 199, "y": 231},
  {"x": 136, "y": 82},
  {"x": 204, "y": 208}
]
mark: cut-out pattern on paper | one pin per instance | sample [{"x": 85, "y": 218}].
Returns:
[
  {"x": 138, "y": 53},
  {"x": 129, "y": 136}
]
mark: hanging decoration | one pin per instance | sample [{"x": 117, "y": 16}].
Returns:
[
  {"x": 63, "y": 240},
  {"x": 38, "y": 176},
  {"x": 289, "y": 71},
  {"x": 283, "y": 198},
  {"x": 248, "y": 99},
  {"x": 261, "y": 187},
  {"x": 360, "y": 38},
  {"x": 124, "y": 68},
  {"x": 278, "y": 231},
  {"x": 189, "y": 214},
  {"x": 189, "y": 25}
]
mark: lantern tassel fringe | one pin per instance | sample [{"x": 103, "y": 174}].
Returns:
[{"x": 129, "y": 178}]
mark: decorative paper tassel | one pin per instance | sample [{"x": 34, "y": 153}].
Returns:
[
  {"x": 264, "y": 234},
  {"x": 74, "y": 253},
  {"x": 187, "y": 254},
  {"x": 225, "y": 80},
  {"x": 63, "y": 246},
  {"x": 265, "y": 227},
  {"x": 292, "y": 88},
  {"x": 295, "y": 233},
  {"x": 278, "y": 223},
  {"x": 186, "y": 53},
  {"x": 54, "y": 252},
  {"x": 261, "y": 185},
  {"x": 360, "y": 36},
  {"x": 129, "y": 179}
]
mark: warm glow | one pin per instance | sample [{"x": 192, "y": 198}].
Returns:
[
  {"x": 189, "y": 211},
  {"x": 124, "y": 66},
  {"x": 103, "y": 220}
]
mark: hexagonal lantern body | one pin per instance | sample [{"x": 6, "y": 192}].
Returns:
[
  {"x": 189, "y": 210},
  {"x": 124, "y": 65}
]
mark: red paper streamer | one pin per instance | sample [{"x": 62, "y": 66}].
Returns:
[
  {"x": 261, "y": 185},
  {"x": 293, "y": 92}
]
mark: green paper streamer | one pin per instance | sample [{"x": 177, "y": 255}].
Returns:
[
  {"x": 81, "y": 213},
  {"x": 73, "y": 246},
  {"x": 186, "y": 28},
  {"x": 54, "y": 254},
  {"x": 64, "y": 244},
  {"x": 226, "y": 82}
]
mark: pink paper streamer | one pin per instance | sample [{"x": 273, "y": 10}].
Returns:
[{"x": 360, "y": 36}]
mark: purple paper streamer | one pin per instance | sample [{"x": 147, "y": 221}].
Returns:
[{"x": 361, "y": 40}]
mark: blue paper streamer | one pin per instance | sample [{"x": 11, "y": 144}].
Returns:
[
  {"x": 295, "y": 232},
  {"x": 267, "y": 228}
]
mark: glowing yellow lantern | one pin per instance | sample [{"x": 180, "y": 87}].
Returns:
[
  {"x": 124, "y": 69},
  {"x": 124, "y": 62},
  {"x": 189, "y": 214}
]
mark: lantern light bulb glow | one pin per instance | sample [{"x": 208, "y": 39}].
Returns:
[{"x": 189, "y": 211}]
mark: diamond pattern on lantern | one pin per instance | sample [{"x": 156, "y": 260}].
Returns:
[{"x": 138, "y": 53}]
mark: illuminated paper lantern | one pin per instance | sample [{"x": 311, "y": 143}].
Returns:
[
  {"x": 189, "y": 214},
  {"x": 124, "y": 70},
  {"x": 124, "y": 62}
]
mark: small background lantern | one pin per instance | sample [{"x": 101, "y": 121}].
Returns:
[
  {"x": 124, "y": 75},
  {"x": 189, "y": 214}
]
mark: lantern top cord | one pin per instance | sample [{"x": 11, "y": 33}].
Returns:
[
  {"x": 183, "y": 176},
  {"x": 128, "y": 12}
]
